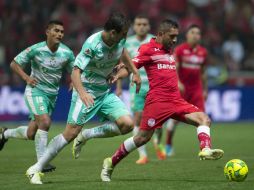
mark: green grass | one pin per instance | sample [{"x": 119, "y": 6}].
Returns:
[{"x": 183, "y": 171}]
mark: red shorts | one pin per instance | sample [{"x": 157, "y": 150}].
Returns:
[
  {"x": 195, "y": 98},
  {"x": 155, "y": 114}
]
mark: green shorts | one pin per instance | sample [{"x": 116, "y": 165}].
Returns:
[
  {"x": 107, "y": 107},
  {"x": 39, "y": 102},
  {"x": 137, "y": 100}
]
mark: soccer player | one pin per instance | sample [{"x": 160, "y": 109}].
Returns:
[
  {"x": 163, "y": 100},
  {"x": 191, "y": 63},
  {"x": 48, "y": 60},
  {"x": 141, "y": 27},
  {"x": 99, "y": 55}
]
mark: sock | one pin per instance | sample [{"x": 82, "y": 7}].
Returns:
[
  {"x": 157, "y": 137},
  {"x": 54, "y": 147},
  {"x": 41, "y": 141},
  {"x": 170, "y": 130},
  {"x": 204, "y": 136},
  {"x": 19, "y": 133},
  {"x": 125, "y": 148},
  {"x": 141, "y": 149},
  {"x": 102, "y": 131}
]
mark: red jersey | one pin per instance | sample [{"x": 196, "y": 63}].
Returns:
[
  {"x": 190, "y": 62},
  {"x": 160, "y": 67}
]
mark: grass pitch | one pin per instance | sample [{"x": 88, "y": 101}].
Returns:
[{"x": 182, "y": 172}]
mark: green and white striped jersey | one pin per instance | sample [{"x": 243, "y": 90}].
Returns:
[
  {"x": 132, "y": 45},
  {"x": 46, "y": 66},
  {"x": 97, "y": 61}
]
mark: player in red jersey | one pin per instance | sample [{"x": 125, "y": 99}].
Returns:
[
  {"x": 163, "y": 100},
  {"x": 191, "y": 62}
]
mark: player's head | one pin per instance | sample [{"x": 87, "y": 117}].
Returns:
[
  {"x": 141, "y": 25},
  {"x": 193, "y": 34},
  {"x": 168, "y": 33},
  {"x": 55, "y": 31},
  {"x": 117, "y": 27}
]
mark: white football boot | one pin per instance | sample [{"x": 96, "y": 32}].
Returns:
[
  {"x": 78, "y": 142},
  {"x": 107, "y": 170},
  {"x": 210, "y": 154},
  {"x": 34, "y": 176}
]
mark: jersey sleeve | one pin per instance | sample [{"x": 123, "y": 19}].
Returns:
[
  {"x": 205, "y": 57},
  {"x": 70, "y": 63},
  {"x": 177, "y": 54},
  {"x": 24, "y": 57},
  {"x": 142, "y": 57},
  {"x": 84, "y": 57}
]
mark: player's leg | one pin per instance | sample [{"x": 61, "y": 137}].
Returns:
[
  {"x": 170, "y": 126},
  {"x": 113, "y": 109},
  {"x": 203, "y": 123},
  {"x": 137, "y": 106},
  {"x": 159, "y": 147},
  {"x": 21, "y": 132},
  {"x": 143, "y": 158},
  {"x": 55, "y": 146},
  {"x": 126, "y": 147}
]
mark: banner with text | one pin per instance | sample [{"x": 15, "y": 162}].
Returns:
[{"x": 223, "y": 104}]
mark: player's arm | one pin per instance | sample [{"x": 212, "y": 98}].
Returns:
[
  {"x": 81, "y": 61},
  {"x": 69, "y": 68},
  {"x": 19, "y": 62},
  {"x": 119, "y": 89},
  {"x": 178, "y": 66},
  {"x": 128, "y": 62},
  {"x": 204, "y": 81}
]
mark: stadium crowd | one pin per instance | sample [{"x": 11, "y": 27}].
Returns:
[{"x": 228, "y": 27}]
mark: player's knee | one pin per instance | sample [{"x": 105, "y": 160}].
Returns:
[
  {"x": 126, "y": 125},
  {"x": 205, "y": 120},
  {"x": 141, "y": 140},
  {"x": 44, "y": 123}
]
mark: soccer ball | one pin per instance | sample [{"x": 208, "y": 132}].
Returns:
[{"x": 236, "y": 170}]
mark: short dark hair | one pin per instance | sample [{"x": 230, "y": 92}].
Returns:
[
  {"x": 141, "y": 16},
  {"x": 193, "y": 26},
  {"x": 54, "y": 22},
  {"x": 116, "y": 21},
  {"x": 166, "y": 24}
]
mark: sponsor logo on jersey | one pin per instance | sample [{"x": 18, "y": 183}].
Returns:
[{"x": 166, "y": 66}]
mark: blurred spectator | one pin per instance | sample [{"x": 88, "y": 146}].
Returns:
[
  {"x": 233, "y": 52},
  {"x": 249, "y": 62},
  {"x": 22, "y": 23}
]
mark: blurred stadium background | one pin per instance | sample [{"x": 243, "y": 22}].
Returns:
[{"x": 228, "y": 33}]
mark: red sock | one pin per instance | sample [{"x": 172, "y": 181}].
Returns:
[
  {"x": 119, "y": 154},
  {"x": 204, "y": 140}
]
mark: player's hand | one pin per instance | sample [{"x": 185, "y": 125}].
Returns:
[
  {"x": 137, "y": 80},
  {"x": 87, "y": 99},
  {"x": 112, "y": 78},
  {"x": 119, "y": 66},
  {"x": 181, "y": 87},
  {"x": 31, "y": 81},
  {"x": 205, "y": 94}
]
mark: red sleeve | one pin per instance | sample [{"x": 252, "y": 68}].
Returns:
[
  {"x": 205, "y": 56},
  {"x": 142, "y": 57},
  {"x": 177, "y": 54}
]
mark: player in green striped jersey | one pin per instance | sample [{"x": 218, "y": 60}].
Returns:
[
  {"x": 98, "y": 57},
  {"x": 48, "y": 60}
]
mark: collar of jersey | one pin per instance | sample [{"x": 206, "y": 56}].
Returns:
[
  {"x": 50, "y": 49},
  {"x": 155, "y": 44}
]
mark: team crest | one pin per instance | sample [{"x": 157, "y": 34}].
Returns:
[{"x": 151, "y": 122}]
